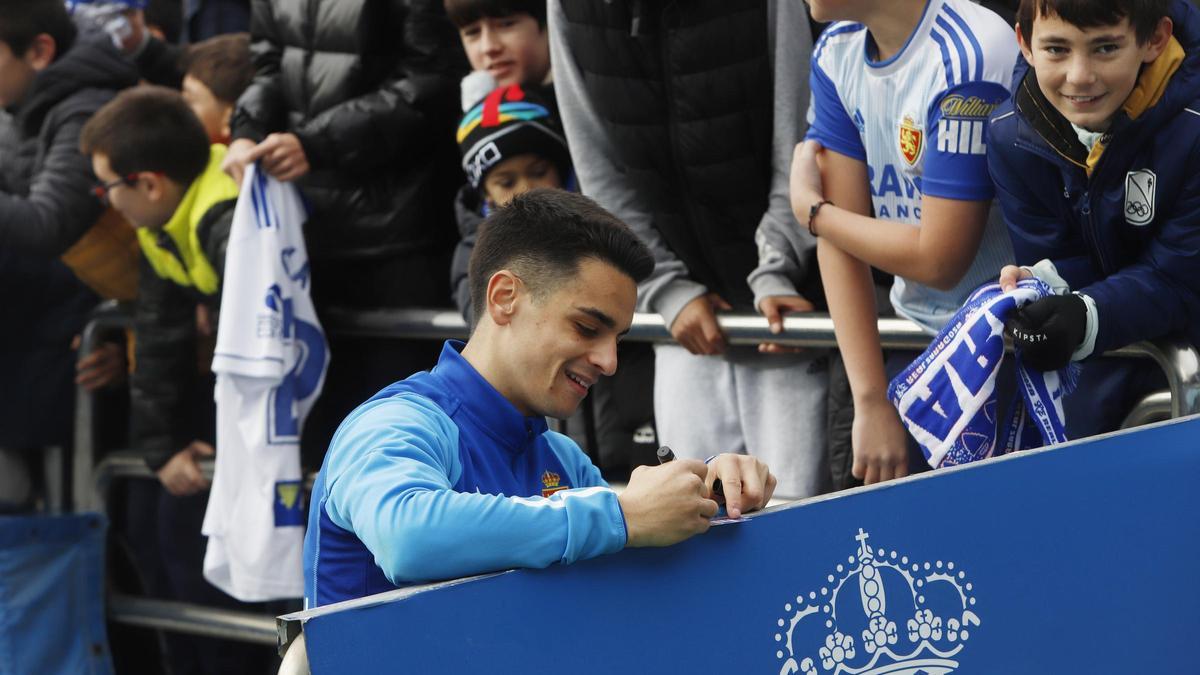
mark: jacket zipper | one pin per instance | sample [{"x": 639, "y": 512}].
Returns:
[
  {"x": 310, "y": 34},
  {"x": 166, "y": 243},
  {"x": 1087, "y": 206},
  {"x": 689, "y": 205},
  {"x": 1087, "y": 223}
]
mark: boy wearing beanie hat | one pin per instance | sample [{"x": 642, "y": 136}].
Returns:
[{"x": 511, "y": 142}]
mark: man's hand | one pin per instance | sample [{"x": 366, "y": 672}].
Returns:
[
  {"x": 1010, "y": 275},
  {"x": 747, "y": 483},
  {"x": 666, "y": 504},
  {"x": 1047, "y": 332},
  {"x": 774, "y": 307},
  {"x": 880, "y": 442},
  {"x": 696, "y": 328},
  {"x": 104, "y": 367},
  {"x": 237, "y": 158},
  {"x": 282, "y": 157},
  {"x": 181, "y": 475}
]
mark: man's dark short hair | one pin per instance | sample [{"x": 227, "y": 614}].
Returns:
[
  {"x": 1144, "y": 15},
  {"x": 148, "y": 128},
  {"x": 543, "y": 235},
  {"x": 463, "y": 12},
  {"x": 23, "y": 20},
  {"x": 223, "y": 64}
]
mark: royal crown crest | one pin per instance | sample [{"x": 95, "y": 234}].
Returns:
[
  {"x": 551, "y": 483},
  {"x": 907, "y": 618},
  {"x": 911, "y": 140}
]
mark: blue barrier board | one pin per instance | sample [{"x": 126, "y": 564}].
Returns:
[
  {"x": 1075, "y": 559},
  {"x": 52, "y": 595}
]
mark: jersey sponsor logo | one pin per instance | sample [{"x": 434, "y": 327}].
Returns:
[
  {"x": 890, "y": 181},
  {"x": 551, "y": 483},
  {"x": 289, "y": 507},
  {"x": 1139, "y": 197},
  {"x": 967, "y": 107},
  {"x": 912, "y": 140},
  {"x": 962, "y": 137}
]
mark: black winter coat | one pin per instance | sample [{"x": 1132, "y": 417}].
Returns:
[
  {"x": 687, "y": 96},
  {"x": 46, "y": 202},
  {"x": 170, "y": 404},
  {"x": 45, "y": 206},
  {"x": 370, "y": 89}
]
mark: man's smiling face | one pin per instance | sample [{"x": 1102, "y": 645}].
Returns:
[{"x": 564, "y": 341}]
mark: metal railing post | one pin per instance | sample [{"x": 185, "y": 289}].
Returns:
[
  {"x": 108, "y": 316},
  {"x": 1181, "y": 363}
]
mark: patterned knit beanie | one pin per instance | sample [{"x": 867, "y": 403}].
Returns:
[{"x": 510, "y": 121}]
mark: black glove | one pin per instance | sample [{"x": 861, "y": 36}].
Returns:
[{"x": 1046, "y": 332}]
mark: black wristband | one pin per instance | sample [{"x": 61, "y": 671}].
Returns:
[{"x": 812, "y": 215}]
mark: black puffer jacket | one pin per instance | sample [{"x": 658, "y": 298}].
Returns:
[
  {"x": 685, "y": 91},
  {"x": 45, "y": 205},
  {"x": 46, "y": 202},
  {"x": 370, "y": 89},
  {"x": 169, "y": 406}
]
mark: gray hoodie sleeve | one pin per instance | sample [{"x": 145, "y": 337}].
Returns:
[
  {"x": 782, "y": 242},
  {"x": 602, "y": 178}
]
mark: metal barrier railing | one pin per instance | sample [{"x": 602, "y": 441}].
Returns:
[
  {"x": 225, "y": 624},
  {"x": 107, "y": 317},
  {"x": 1180, "y": 362}
]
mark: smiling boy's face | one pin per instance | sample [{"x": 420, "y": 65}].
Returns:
[
  {"x": 514, "y": 49},
  {"x": 1087, "y": 73}
]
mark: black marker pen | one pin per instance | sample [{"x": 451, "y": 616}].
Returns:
[{"x": 665, "y": 454}]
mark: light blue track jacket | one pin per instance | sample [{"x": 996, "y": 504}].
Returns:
[{"x": 439, "y": 476}]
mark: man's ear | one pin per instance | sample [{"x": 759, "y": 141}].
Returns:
[
  {"x": 1025, "y": 50},
  {"x": 1158, "y": 40},
  {"x": 41, "y": 52},
  {"x": 503, "y": 292},
  {"x": 155, "y": 184}
]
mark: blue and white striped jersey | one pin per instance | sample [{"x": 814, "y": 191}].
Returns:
[{"x": 919, "y": 122}]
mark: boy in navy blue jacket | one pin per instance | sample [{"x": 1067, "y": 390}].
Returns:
[{"x": 1097, "y": 168}]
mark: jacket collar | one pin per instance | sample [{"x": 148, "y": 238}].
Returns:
[
  {"x": 1153, "y": 81},
  {"x": 186, "y": 265},
  {"x": 91, "y": 63},
  {"x": 495, "y": 414},
  {"x": 1049, "y": 124}
]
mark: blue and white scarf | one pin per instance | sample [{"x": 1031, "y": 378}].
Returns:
[{"x": 947, "y": 397}]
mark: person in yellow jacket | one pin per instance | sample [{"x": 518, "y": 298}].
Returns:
[{"x": 156, "y": 167}]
